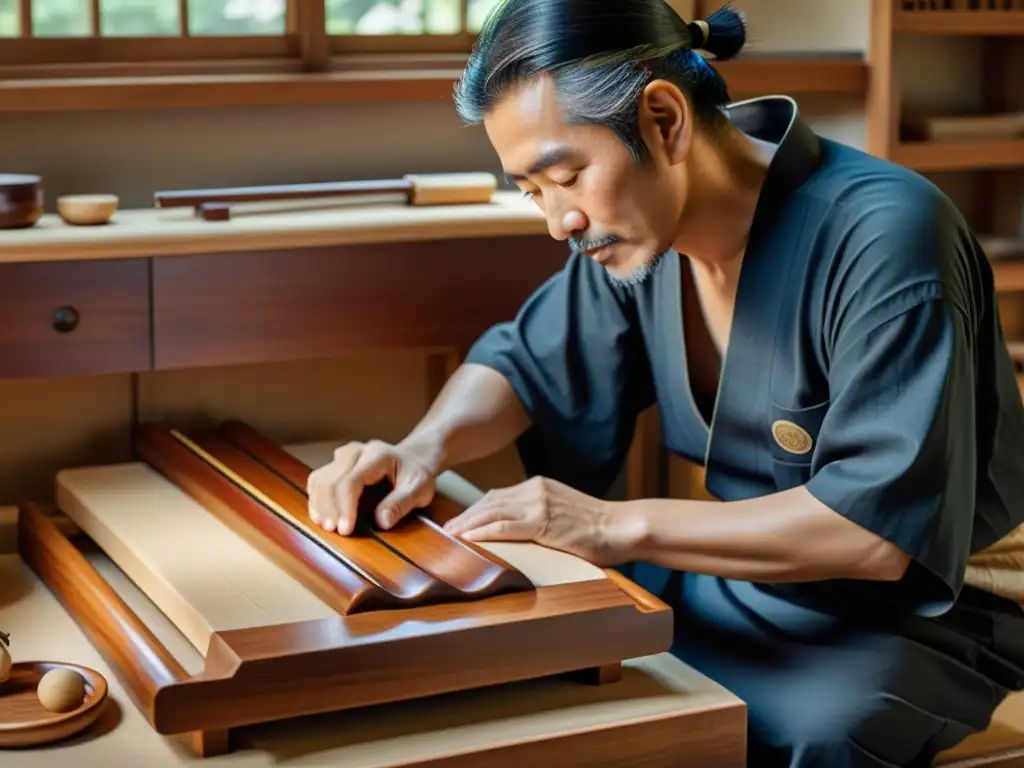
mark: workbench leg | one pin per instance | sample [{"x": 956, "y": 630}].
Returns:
[
  {"x": 609, "y": 673},
  {"x": 211, "y": 743}
]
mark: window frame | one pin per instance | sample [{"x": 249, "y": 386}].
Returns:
[
  {"x": 306, "y": 65},
  {"x": 305, "y": 44}
]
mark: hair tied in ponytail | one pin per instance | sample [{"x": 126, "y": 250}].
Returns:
[{"x": 722, "y": 34}]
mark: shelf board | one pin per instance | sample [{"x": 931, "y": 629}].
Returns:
[
  {"x": 793, "y": 74},
  {"x": 1016, "y": 349},
  {"x": 983, "y": 23},
  {"x": 1008, "y": 275},
  {"x": 938, "y": 156}
]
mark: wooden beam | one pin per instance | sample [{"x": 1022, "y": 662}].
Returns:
[
  {"x": 883, "y": 93},
  {"x": 313, "y": 43}
]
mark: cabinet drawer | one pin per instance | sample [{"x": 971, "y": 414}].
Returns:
[
  {"x": 223, "y": 309},
  {"x": 74, "y": 318}
]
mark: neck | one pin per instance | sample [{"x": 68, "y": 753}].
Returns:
[{"x": 726, "y": 174}]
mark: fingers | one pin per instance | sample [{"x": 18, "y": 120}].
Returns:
[
  {"x": 321, "y": 482},
  {"x": 374, "y": 464},
  {"x": 334, "y": 490},
  {"x": 501, "y": 530},
  {"x": 492, "y": 517},
  {"x": 413, "y": 493}
]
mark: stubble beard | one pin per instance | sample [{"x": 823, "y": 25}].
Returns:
[{"x": 638, "y": 276}]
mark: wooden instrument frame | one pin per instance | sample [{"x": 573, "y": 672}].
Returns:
[{"x": 358, "y": 659}]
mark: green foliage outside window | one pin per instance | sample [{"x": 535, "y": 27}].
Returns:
[{"x": 141, "y": 18}]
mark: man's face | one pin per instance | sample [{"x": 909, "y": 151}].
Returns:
[{"x": 585, "y": 181}]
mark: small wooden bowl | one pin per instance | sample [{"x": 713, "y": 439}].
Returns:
[
  {"x": 87, "y": 210},
  {"x": 21, "y": 200},
  {"x": 24, "y": 722}
]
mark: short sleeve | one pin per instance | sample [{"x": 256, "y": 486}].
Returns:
[
  {"x": 896, "y": 453},
  {"x": 575, "y": 357}
]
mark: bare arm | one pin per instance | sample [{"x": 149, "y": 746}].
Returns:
[
  {"x": 785, "y": 537},
  {"x": 476, "y": 414}
]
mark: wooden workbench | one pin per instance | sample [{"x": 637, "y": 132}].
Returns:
[
  {"x": 661, "y": 713},
  {"x": 161, "y": 290},
  {"x": 102, "y": 326}
]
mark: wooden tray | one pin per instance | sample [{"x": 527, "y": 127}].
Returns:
[
  {"x": 24, "y": 722},
  {"x": 211, "y": 528}
]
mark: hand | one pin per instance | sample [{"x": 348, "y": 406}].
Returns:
[
  {"x": 335, "y": 489},
  {"x": 548, "y": 513}
]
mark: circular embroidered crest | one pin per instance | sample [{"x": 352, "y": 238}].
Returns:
[{"x": 791, "y": 437}]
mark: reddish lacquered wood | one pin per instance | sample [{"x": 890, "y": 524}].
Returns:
[
  {"x": 139, "y": 660},
  {"x": 402, "y": 578},
  {"x": 374, "y": 657},
  {"x": 267, "y": 673},
  {"x": 298, "y": 555},
  {"x": 223, "y": 309},
  {"x": 468, "y": 568},
  {"x": 74, "y": 318}
]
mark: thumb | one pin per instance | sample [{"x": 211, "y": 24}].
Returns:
[{"x": 402, "y": 500}]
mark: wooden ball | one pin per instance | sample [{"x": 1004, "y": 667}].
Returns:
[
  {"x": 61, "y": 690},
  {"x": 87, "y": 210}
]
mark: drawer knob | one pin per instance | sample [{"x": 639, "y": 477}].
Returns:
[{"x": 65, "y": 319}]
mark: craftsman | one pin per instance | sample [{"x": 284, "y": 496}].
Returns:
[{"x": 817, "y": 327}]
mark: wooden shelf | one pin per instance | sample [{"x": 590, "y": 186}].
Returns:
[
  {"x": 793, "y": 74},
  {"x": 1016, "y": 349},
  {"x": 977, "y": 23},
  {"x": 933, "y": 157},
  {"x": 1008, "y": 275}
]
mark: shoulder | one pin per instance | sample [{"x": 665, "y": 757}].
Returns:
[{"x": 889, "y": 240}]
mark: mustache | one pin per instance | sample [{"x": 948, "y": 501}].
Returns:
[{"x": 582, "y": 244}]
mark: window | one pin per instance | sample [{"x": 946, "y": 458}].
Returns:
[{"x": 232, "y": 35}]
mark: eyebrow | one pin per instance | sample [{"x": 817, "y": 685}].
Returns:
[{"x": 545, "y": 161}]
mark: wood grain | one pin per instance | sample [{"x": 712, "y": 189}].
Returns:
[
  {"x": 139, "y": 660},
  {"x": 662, "y": 714},
  {"x": 264, "y": 82},
  {"x": 305, "y": 560},
  {"x": 363, "y": 552},
  {"x": 24, "y": 722},
  {"x": 273, "y": 305},
  {"x": 282, "y": 671},
  {"x": 87, "y": 317},
  {"x": 384, "y": 656},
  {"x": 472, "y": 570},
  {"x": 277, "y": 227},
  {"x": 159, "y": 537}
]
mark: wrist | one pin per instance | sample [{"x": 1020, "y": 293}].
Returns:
[
  {"x": 428, "y": 451},
  {"x": 626, "y": 529}
]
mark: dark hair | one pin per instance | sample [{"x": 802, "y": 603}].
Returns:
[{"x": 600, "y": 54}]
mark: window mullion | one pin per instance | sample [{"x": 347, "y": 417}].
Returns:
[
  {"x": 311, "y": 20},
  {"x": 25, "y": 18}
]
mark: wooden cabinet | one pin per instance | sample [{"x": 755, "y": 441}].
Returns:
[
  {"x": 231, "y": 308},
  {"x": 75, "y": 317}
]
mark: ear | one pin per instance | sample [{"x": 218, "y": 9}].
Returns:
[{"x": 665, "y": 121}]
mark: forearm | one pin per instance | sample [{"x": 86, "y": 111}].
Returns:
[
  {"x": 476, "y": 415},
  {"x": 785, "y": 537}
]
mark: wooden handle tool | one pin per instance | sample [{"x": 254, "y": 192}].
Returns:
[{"x": 419, "y": 189}]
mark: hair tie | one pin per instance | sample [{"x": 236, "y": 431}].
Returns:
[{"x": 699, "y": 31}]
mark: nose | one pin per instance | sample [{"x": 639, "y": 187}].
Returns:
[{"x": 562, "y": 224}]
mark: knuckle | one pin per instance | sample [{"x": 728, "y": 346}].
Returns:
[
  {"x": 346, "y": 450},
  {"x": 377, "y": 447}
]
